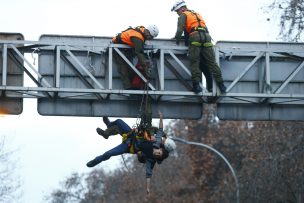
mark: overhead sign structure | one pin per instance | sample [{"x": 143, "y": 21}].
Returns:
[
  {"x": 11, "y": 74},
  {"x": 84, "y": 70},
  {"x": 265, "y": 80},
  {"x": 77, "y": 76}
]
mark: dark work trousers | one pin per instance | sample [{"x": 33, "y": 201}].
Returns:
[
  {"x": 124, "y": 70},
  {"x": 205, "y": 55},
  {"x": 207, "y": 75}
]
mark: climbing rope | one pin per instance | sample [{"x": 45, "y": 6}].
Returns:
[{"x": 141, "y": 117}]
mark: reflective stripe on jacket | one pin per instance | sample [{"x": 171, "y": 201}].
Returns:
[{"x": 192, "y": 21}]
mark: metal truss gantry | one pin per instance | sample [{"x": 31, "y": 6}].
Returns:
[{"x": 77, "y": 76}]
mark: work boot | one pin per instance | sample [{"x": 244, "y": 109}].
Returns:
[
  {"x": 112, "y": 130},
  {"x": 94, "y": 162},
  {"x": 196, "y": 88},
  {"x": 222, "y": 87},
  {"x": 106, "y": 120},
  {"x": 102, "y": 133}
]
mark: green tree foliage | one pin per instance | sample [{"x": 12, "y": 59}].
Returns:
[
  {"x": 267, "y": 157},
  {"x": 291, "y": 14}
]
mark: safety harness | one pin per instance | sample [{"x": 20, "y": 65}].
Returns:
[
  {"x": 117, "y": 38},
  {"x": 201, "y": 29}
]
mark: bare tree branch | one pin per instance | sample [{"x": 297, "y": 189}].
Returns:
[
  {"x": 291, "y": 14},
  {"x": 9, "y": 182}
]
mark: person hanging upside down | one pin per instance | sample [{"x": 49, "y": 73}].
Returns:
[{"x": 151, "y": 147}]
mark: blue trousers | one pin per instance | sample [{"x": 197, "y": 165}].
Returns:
[
  {"x": 123, "y": 147},
  {"x": 123, "y": 127}
]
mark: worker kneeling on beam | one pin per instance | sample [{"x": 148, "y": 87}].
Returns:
[
  {"x": 201, "y": 53},
  {"x": 151, "y": 145},
  {"x": 134, "y": 37}
]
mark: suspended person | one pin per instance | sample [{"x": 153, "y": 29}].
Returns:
[
  {"x": 134, "y": 37},
  {"x": 200, "y": 47},
  {"x": 150, "y": 147}
]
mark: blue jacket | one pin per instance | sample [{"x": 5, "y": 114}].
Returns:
[{"x": 147, "y": 150}]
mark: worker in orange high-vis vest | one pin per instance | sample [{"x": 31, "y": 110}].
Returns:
[
  {"x": 134, "y": 37},
  {"x": 201, "y": 53}
]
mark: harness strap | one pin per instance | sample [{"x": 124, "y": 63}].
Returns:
[
  {"x": 202, "y": 29},
  {"x": 205, "y": 44},
  {"x": 131, "y": 145},
  {"x": 117, "y": 38}
]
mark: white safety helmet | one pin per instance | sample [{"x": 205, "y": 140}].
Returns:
[
  {"x": 170, "y": 145},
  {"x": 153, "y": 29},
  {"x": 178, "y": 4}
]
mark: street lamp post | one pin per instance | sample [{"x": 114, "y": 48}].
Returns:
[{"x": 218, "y": 153}]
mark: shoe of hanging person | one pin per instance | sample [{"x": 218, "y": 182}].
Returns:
[
  {"x": 106, "y": 120},
  {"x": 93, "y": 162},
  {"x": 222, "y": 87},
  {"x": 196, "y": 88},
  {"x": 102, "y": 133}
]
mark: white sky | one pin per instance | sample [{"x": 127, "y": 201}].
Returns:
[{"x": 51, "y": 148}]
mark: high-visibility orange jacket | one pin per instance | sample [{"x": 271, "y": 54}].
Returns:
[
  {"x": 193, "y": 20},
  {"x": 126, "y": 36},
  {"x": 137, "y": 34}
]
